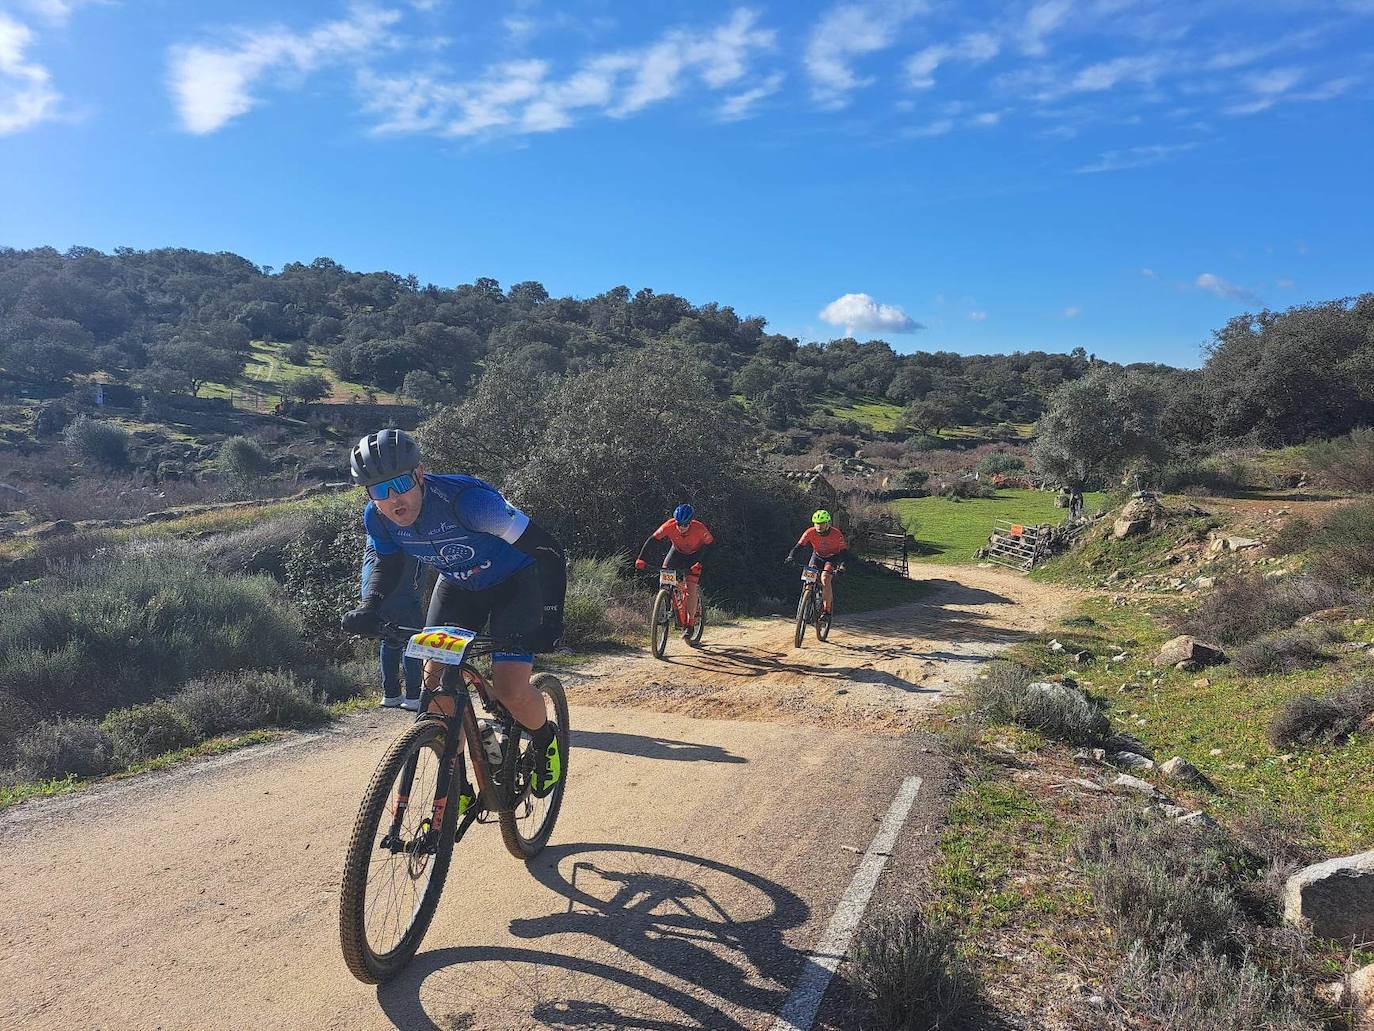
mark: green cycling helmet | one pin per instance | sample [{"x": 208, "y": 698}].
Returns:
[{"x": 820, "y": 517}]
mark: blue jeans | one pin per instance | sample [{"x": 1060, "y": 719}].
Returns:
[{"x": 402, "y": 607}]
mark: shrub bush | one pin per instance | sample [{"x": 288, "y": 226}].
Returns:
[
  {"x": 907, "y": 969},
  {"x": 961, "y": 489},
  {"x": 242, "y": 460},
  {"x": 1307, "y": 719},
  {"x": 1247, "y": 606},
  {"x": 1156, "y": 880},
  {"x": 1179, "y": 990},
  {"x": 1343, "y": 548},
  {"x": 322, "y": 566},
  {"x": 1294, "y": 535},
  {"x": 913, "y": 479},
  {"x": 145, "y": 731},
  {"x": 1005, "y": 693},
  {"x": 96, "y": 443},
  {"x": 990, "y": 465},
  {"x": 595, "y": 594},
  {"x": 246, "y": 700},
  {"x": 128, "y": 628},
  {"x": 63, "y": 747},
  {"x": 1346, "y": 461},
  {"x": 297, "y": 352},
  {"x": 1284, "y": 651}
]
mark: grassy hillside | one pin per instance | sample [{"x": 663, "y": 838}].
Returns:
[
  {"x": 268, "y": 371},
  {"x": 954, "y": 530}
]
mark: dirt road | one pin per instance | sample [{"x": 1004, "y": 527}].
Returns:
[{"x": 698, "y": 865}]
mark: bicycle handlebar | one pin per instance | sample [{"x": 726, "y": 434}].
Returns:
[{"x": 481, "y": 644}]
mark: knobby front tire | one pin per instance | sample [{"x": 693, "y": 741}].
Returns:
[
  {"x": 527, "y": 828},
  {"x": 803, "y": 612},
  {"x": 388, "y": 896},
  {"x": 701, "y": 621},
  {"x": 823, "y": 621},
  {"x": 661, "y": 622}
]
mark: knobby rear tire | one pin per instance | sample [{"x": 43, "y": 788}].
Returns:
[
  {"x": 516, "y": 843},
  {"x": 660, "y": 622},
  {"x": 364, "y": 963}
]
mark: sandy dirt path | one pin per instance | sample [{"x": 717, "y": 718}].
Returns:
[{"x": 718, "y": 807}]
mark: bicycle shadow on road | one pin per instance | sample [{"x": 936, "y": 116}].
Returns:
[
  {"x": 653, "y": 747},
  {"x": 694, "y": 920}
]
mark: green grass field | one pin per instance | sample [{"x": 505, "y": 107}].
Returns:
[
  {"x": 885, "y": 416},
  {"x": 954, "y": 530},
  {"x": 268, "y": 371}
]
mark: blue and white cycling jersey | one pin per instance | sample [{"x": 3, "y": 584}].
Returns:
[{"x": 466, "y": 530}]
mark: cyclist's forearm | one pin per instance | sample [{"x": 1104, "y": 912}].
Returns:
[
  {"x": 387, "y": 573},
  {"x": 645, "y": 547},
  {"x": 548, "y": 555}
]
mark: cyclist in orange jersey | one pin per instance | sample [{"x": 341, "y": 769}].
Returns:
[
  {"x": 827, "y": 545},
  {"x": 688, "y": 538}
]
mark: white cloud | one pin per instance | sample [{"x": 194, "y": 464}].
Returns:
[
  {"x": 978, "y": 316},
  {"x": 1229, "y": 291},
  {"x": 1149, "y": 273},
  {"x": 1041, "y": 20},
  {"x": 525, "y": 97},
  {"x": 1071, "y": 312},
  {"x": 862, "y": 312},
  {"x": 741, "y": 105},
  {"x": 1284, "y": 283},
  {"x": 987, "y": 118},
  {"x": 975, "y": 48},
  {"x": 211, "y": 86},
  {"x": 1267, "y": 89},
  {"x": 1134, "y": 157},
  {"x": 27, "y": 95},
  {"x": 848, "y": 32},
  {"x": 940, "y": 127}
]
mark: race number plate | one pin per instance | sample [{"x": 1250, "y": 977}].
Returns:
[
  {"x": 667, "y": 577},
  {"x": 441, "y": 644},
  {"x": 809, "y": 575}
]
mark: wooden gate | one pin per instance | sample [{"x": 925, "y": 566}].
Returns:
[{"x": 1015, "y": 545}]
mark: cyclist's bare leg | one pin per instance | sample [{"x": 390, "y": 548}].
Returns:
[
  {"x": 827, "y": 578},
  {"x": 693, "y": 593},
  {"x": 510, "y": 685}
]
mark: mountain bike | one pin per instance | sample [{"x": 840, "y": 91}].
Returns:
[
  {"x": 421, "y": 801},
  {"x": 670, "y": 611},
  {"x": 810, "y": 606}
]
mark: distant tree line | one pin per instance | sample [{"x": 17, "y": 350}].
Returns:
[{"x": 173, "y": 319}]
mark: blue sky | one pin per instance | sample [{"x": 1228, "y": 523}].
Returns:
[{"x": 1122, "y": 175}]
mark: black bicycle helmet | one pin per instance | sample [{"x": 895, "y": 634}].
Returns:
[{"x": 382, "y": 455}]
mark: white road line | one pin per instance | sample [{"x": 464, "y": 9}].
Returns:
[{"x": 800, "y": 1010}]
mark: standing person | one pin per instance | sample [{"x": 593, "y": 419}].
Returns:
[
  {"x": 494, "y": 564},
  {"x": 827, "y": 544},
  {"x": 688, "y": 538},
  {"x": 403, "y": 607}
]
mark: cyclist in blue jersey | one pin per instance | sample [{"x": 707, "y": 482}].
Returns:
[{"x": 494, "y": 565}]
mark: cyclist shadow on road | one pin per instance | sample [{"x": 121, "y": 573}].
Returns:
[
  {"x": 653, "y": 747},
  {"x": 691, "y": 919}
]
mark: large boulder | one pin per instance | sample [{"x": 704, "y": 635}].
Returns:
[
  {"x": 1336, "y": 897},
  {"x": 1188, "y": 649},
  {"x": 1139, "y": 515}
]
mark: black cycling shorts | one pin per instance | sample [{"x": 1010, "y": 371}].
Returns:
[
  {"x": 678, "y": 560},
  {"x": 515, "y": 608}
]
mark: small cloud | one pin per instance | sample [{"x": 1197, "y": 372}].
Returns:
[
  {"x": 1267, "y": 88},
  {"x": 847, "y": 32},
  {"x": 741, "y": 104},
  {"x": 1284, "y": 283},
  {"x": 1134, "y": 157},
  {"x": 27, "y": 95},
  {"x": 1228, "y": 291},
  {"x": 1041, "y": 20},
  {"x": 936, "y": 128},
  {"x": 211, "y": 86},
  {"x": 975, "y": 48},
  {"x": 862, "y": 312},
  {"x": 978, "y": 316},
  {"x": 1071, "y": 312},
  {"x": 1149, "y": 273},
  {"x": 987, "y": 118}
]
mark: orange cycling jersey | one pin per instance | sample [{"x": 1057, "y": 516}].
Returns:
[
  {"x": 826, "y": 545},
  {"x": 688, "y": 542}
]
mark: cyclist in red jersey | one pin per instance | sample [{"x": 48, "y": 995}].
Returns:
[
  {"x": 827, "y": 544},
  {"x": 688, "y": 539}
]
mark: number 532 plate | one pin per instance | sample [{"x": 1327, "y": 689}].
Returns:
[{"x": 440, "y": 644}]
